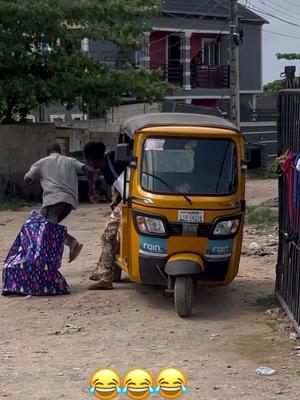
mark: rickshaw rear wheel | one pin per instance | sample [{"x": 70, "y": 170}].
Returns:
[
  {"x": 184, "y": 295},
  {"x": 117, "y": 273}
]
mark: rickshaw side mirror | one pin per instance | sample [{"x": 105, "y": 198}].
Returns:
[{"x": 123, "y": 154}]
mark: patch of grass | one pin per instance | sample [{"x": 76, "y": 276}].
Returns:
[
  {"x": 261, "y": 216},
  {"x": 11, "y": 205},
  {"x": 260, "y": 174},
  {"x": 268, "y": 301}
]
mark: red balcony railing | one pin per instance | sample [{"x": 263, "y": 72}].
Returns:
[
  {"x": 202, "y": 76},
  {"x": 173, "y": 72},
  {"x": 213, "y": 77}
]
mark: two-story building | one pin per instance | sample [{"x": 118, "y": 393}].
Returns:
[{"x": 189, "y": 41}]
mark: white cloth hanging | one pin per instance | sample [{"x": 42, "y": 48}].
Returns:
[{"x": 119, "y": 184}]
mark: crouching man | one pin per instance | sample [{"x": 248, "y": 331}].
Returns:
[{"x": 58, "y": 176}]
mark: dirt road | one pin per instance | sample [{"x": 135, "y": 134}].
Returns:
[{"x": 49, "y": 347}]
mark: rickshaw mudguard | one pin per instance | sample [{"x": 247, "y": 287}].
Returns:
[{"x": 184, "y": 264}]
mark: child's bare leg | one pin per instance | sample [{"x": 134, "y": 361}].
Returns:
[
  {"x": 75, "y": 247},
  {"x": 57, "y": 213}
]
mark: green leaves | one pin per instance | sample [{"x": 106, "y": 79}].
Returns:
[
  {"x": 41, "y": 60},
  {"x": 288, "y": 56},
  {"x": 275, "y": 86},
  {"x": 280, "y": 84}
]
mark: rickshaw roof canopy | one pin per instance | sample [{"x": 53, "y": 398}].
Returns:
[{"x": 131, "y": 125}]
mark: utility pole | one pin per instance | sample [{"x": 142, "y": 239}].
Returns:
[
  {"x": 234, "y": 64},
  {"x": 289, "y": 75}
]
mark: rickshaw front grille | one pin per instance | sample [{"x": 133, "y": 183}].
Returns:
[{"x": 175, "y": 229}]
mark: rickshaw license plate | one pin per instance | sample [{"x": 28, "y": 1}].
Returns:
[{"x": 190, "y": 216}]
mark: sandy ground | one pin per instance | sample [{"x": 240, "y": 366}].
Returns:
[
  {"x": 49, "y": 347},
  {"x": 258, "y": 191}
]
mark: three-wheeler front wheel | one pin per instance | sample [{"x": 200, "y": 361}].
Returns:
[{"x": 184, "y": 295}]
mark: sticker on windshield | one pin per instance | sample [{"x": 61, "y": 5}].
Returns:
[
  {"x": 193, "y": 216},
  {"x": 154, "y": 144}
]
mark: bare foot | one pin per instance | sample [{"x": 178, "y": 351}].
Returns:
[{"x": 75, "y": 250}]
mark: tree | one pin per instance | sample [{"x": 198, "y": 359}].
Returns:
[
  {"x": 41, "y": 61},
  {"x": 275, "y": 86}
]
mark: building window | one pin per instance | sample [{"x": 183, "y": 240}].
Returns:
[
  {"x": 78, "y": 117},
  {"x": 211, "y": 52},
  {"x": 57, "y": 118}
]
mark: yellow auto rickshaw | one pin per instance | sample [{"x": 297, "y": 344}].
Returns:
[{"x": 182, "y": 217}]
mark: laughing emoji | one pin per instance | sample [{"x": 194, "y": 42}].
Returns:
[
  {"x": 105, "y": 384},
  {"x": 138, "y": 384},
  {"x": 171, "y": 383}
]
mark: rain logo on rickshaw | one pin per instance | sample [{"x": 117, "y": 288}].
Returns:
[
  {"x": 150, "y": 246},
  {"x": 220, "y": 247}
]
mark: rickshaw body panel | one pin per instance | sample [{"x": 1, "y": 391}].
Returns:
[{"x": 144, "y": 257}]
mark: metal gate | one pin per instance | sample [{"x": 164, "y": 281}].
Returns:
[{"x": 288, "y": 265}]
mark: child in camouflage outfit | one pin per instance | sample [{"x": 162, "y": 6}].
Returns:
[{"x": 103, "y": 274}]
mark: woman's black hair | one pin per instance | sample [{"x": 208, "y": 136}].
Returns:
[{"x": 94, "y": 151}]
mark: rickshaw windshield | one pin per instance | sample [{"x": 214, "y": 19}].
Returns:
[{"x": 197, "y": 166}]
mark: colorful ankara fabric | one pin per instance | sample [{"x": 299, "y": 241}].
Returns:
[{"x": 33, "y": 262}]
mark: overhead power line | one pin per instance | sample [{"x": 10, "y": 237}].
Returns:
[
  {"x": 220, "y": 32},
  {"x": 292, "y": 4},
  {"x": 278, "y": 8},
  {"x": 222, "y": 5},
  {"x": 180, "y": 30},
  {"x": 281, "y": 34},
  {"x": 284, "y": 6},
  {"x": 253, "y": 8},
  {"x": 193, "y": 22}
]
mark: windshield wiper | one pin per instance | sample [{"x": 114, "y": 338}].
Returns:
[
  {"x": 172, "y": 188},
  {"x": 222, "y": 167}
]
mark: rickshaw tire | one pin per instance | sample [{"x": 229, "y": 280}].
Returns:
[
  {"x": 117, "y": 273},
  {"x": 184, "y": 295}
]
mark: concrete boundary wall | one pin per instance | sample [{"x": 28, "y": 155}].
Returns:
[
  {"x": 264, "y": 135},
  {"x": 21, "y": 146},
  {"x": 105, "y": 129}
]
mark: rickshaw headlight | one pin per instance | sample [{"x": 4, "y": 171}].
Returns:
[
  {"x": 227, "y": 227},
  {"x": 150, "y": 225}
]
